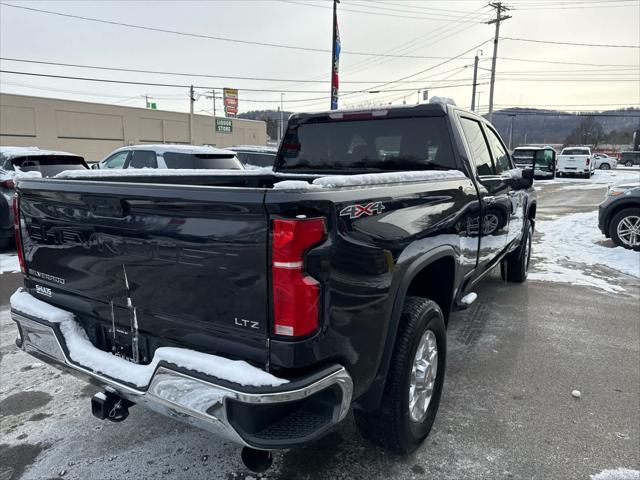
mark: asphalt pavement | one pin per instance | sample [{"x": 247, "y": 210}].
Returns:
[{"x": 507, "y": 411}]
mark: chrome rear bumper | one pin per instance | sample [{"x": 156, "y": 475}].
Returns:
[{"x": 214, "y": 405}]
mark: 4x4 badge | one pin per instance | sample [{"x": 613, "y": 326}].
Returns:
[{"x": 357, "y": 210}]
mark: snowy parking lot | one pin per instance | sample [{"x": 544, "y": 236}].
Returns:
[{"x": 507, "y": 411}]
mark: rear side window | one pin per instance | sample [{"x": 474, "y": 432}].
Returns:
[
  {"x": 201, "y": 160},
  {"x": 478, "y": 147},
  {"x": 372, "y": 144},
  {"x": 143, "y": 159}
]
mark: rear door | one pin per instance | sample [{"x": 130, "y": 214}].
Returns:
[
  {"x": 188, "y": 262},
  {"x": 495, "y": 200}
]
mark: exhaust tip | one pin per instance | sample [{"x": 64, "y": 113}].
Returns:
[{"x": 258, "y": 461}]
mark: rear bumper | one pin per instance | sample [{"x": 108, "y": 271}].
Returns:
[{"x": 291, "y": 415}]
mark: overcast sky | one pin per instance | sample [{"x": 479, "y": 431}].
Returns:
[{"x": 610, "y": 77}]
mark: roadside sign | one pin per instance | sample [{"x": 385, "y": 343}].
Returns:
[
  {"x": 230, "y": 100},
  {"x": 224, "y": 125}
]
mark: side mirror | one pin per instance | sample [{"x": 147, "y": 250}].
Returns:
[
  {"x": 527, "y": 177},
  {"x": 95, "y": 166}
]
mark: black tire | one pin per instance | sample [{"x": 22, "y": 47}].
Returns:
[
  {"x": 515, "y": 266},
  {"x": 615, "y": 221},
  {"x": 391, "y": 425},
  {"x": 628, "y": 163},
  {"x": 605, "y": 166}
]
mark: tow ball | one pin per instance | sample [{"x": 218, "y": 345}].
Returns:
[
  {"x": 257, "y": 461},
  {"x": 109, "y": 406}
]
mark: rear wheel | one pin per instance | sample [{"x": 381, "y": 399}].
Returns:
[
  {"x": 628, "y": 163},
  {"x": 624, "y": 228},
  {"x": 515, "y": 266},
  {"x": 414, "y": 381}
]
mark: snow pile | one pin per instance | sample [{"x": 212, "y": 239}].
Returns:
[
  {"x": 569, "y": 250},
  {"x": 469, "y": 298},
  {"x": 294, "y": 185},
  {"x": 513, "y": 173},
  {"x": 9, "y": 263},
  {"x": 617, "y": 474},
  {"x": 82, "y": 351},
  {"x": 333, "y": 181},
  {"x": 443, "y": 100},
  {"x": 30, "y": 174}
]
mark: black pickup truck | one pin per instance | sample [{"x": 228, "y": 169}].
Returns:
[{"x": 263, "y": 304}]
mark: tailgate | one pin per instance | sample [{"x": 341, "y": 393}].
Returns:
[{"x": 188, "y": 264}]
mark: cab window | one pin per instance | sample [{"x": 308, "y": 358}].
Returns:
[
  {"x": 500, "y": 155},
  {"x": 478, "y": 147}
]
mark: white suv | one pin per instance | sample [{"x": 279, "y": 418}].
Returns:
[
  {"x": 170, "y": 156},
  {"x": 604, "y": 161}
]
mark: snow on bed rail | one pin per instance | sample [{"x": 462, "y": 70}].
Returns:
[
  {"x": 155, "y": 172},
  {"x": 82, "y": 351},
  {"x": 333, "y": 181}
]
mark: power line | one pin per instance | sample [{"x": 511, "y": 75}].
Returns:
[
  {"x": 552, "y": 42},
  {"x": 183, "y": 74},
  {"x": 174, "y": 85},
  {"x": 210, "y": 37},
  {"x": 368, "y": 12},
  {"x": 555, "y": 62}
]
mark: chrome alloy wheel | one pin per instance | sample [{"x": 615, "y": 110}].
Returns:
[
  {"x": 628, "y": 231},
  {"x": 423, "y": 376}
]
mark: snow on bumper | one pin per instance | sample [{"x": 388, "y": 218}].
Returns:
[{"x": 233, "y": 399}]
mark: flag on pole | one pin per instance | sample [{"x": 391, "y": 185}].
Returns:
[{"x": 335, "y": 64}]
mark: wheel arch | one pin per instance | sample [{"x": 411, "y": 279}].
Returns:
[
  {"x": 616, "y": 208},
  {"x": 417, "y": 280}
]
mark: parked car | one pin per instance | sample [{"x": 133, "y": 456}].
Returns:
[
  {"x": 575, "y": 161},
  {"x": 264, "y": 309},
  {"x": 629, "y": 159},
  {"x": 603, "y": 161},
  {"x": 27, "y": 159},
  {"x": 170, "y": 156},
  {"x": 255, "y": 155},
  {"x": 541, "y": 159},
  {"x": 619, "y": 215}
]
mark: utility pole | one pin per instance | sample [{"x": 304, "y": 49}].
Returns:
[
  {"x": 499, "y": 18},
  {"x": 214, "y": 98},
  {"x": 475, "y": 82},
  {"x": 192, "y": 99}
]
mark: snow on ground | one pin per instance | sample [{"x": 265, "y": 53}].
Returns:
[
  {"x": 573, "y": 250},
  {"x": 600, "y": 177},
  {"x": 9, "y": 263},
  {"x": 617, "y": 474}
]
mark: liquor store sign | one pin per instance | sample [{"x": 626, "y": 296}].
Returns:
[{"x": 224, "y": 125}]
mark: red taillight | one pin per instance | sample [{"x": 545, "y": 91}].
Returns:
[
  {"x": 295, "y": 294},
  {"x": 8, "y": 184},
  {"x": 16, "y": 228},
  {"x": 588, "y": 160}
]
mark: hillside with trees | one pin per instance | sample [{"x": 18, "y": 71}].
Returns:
[{"x": 532, "y": 126}]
